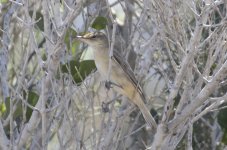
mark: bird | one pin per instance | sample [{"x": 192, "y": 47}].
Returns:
[{"x": 120, "y": 75}]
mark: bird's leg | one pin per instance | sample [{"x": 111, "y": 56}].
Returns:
[
  {"x": 105, "y": 105},
  {"x": 108, "y": 85}
]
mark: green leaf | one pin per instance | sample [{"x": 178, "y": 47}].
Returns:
[
  {"x": 18, "y": 112},
  {"x": 70, "y": 42},
  {"x": 79, "y": 70},
  {"x": 2, "y": 109},
  {"x": 99, "y": 23},
  {"x": 86, "y": 67},
  {"x": 4, "y": 1},
  {"x": 32, "y": 100},
  {"x": 38, "y": 19},
  {"x": 222, "y": 119},
  {"x": 43, "y": 53},
  {"x": 70, "y": 67},
  {"x": 224, "y": 137},
  {"x": 7, "y": 105}
]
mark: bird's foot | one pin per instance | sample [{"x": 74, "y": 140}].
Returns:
[
  {"x": 108, "y": 85},
  {"x": 105, "y": 107}
]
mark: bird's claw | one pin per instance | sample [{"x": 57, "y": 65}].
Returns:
[
  {"x": 108, "y": 85},
  {"x": 105, "y": 107}
]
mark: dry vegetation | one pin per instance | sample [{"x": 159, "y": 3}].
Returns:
[{"x": 178, "y": 51}]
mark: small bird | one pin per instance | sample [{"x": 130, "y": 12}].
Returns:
[{"x": 120, "y": 75}]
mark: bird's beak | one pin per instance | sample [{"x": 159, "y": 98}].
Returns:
[
  {"x": 81, "y": 39},
  {"x": 79, "y": 36}
]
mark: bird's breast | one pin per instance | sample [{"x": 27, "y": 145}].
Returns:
[{"x": 102, "y": 63}]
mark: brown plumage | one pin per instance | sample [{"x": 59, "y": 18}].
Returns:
[{"x": 121, "y": 74}]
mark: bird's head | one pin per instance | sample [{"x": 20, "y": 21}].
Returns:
[{"x": 94, "y": 39}]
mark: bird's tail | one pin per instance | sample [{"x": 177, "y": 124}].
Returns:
[{"x": 146, "y": 113}]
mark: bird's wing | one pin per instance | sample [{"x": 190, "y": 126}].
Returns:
[{"x": 128, "y": 71}]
